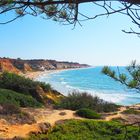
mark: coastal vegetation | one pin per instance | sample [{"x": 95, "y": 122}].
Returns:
[
  {"x": 22, "y": 100},
  {"x": 24, "y": 92},
  {"x": 17, "y": 92},
  {"x": 24, "y": 86},
  {"x": 19, "y": 83},
  {"x": 88, "y": 113},
  {"x": 76, "y": 100},
  {"x": 13, "y": 114},
  {"x": 89, "y": 130},
  {"x": 17, "y": 99}
]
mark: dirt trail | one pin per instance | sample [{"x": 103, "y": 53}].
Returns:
[
  {"x": 45, "y": 115},
  {"x": 55, "y": 116},
  {"x": 10, "y": 131},
  {"x": 41, "y": 115},
  {"x": 116, "y": 115}
]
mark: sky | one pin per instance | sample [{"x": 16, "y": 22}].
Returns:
[{"x": 98, "y": 42}]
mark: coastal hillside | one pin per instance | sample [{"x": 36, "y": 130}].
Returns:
[
  {"x": 23, "y": 66},
  {"x": 41, "y": 92},
  {"x": 33, "y": 110}
]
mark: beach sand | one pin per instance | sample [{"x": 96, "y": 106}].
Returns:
[{"x": 34, "y": 75}]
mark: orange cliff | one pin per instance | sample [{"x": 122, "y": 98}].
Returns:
[
  {"x": 6, "y": 65},
  {"x": 20, "y": 66}
]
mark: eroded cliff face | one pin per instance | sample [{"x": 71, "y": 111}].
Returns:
[
  {"x": 6, "y": 65},
  {"x": 23, "y": 66}
]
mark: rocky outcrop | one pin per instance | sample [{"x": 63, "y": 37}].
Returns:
[
  {"x": 23, "y": 66},
  {"x": 50, "y": 97},
  {"x": 27, "y": 68},
  {"x": 44, "y": 127}
]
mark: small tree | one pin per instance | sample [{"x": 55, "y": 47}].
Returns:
[
  {"x": 132, "y": 80},
  {"x": 76, "y": 100}
]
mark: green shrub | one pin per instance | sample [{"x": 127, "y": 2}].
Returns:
[
  {"x": 23, "y": 85},
  {"x": 78, "y": 100},
  {"x": 18, "y": 99},
  {"x": 89, "y": 130},
  {"x": 37, "y": 137},
  {"x": 88, "y": 113},
  {"x": 92, "y": 130},
  {"x": 119, "y": 119}
]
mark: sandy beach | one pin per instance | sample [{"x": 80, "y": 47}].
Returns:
[{"x": 34, "y": 75}]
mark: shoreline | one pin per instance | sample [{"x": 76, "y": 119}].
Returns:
[
  {"x": 38, "y": 74},
  {"x": 34, "y": 75}
]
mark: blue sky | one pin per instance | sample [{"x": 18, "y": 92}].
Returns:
[{"x": 98, "y": 42}]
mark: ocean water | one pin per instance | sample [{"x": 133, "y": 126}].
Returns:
[{"x": 94, "y": 82}]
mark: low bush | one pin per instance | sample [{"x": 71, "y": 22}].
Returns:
[
  {"x": 119, "y": 119},
  {"x": 78, "y": 100},
  {"x": 88, "y": 113},
  {"x": 14, "y": 115},
  {"x": 9, "y": 109},
  {"x": 89, "y": 130},
  {"x": 23, "y": 118},
  {"x": 92, "y": 130},
  {"x": 23, "y": 85},
  {"x": 38, "y": 137},
  {"x": 17, "y": 99}
]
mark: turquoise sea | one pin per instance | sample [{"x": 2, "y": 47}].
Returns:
[{"x": 94, "y": 82}]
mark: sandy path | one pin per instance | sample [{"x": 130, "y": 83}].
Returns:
[
  {"x": 45, "y": 115},
  {"x": 55, "y": 116},
  {"x": 42, "y": 115},
  {"x": 10, "y": 131},
  {"x": 117, "y": 115}
]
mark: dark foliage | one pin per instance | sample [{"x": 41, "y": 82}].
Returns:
[
  {"x": 69, "y": 12},
  {"x": 88, "y": 113},
  {"x": 132, "y": 80},
  {"x": 18, "y": 99},
  {"x": 77, "y": 101},
  {"x": 23, "y": 85},
  {"x": 89, "y": 130}
]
